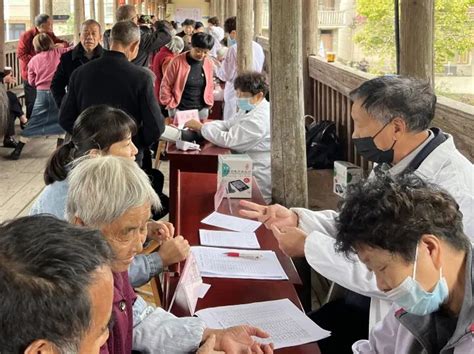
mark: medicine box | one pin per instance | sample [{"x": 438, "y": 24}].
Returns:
[
  {"x": 345, "y": 173},
  {"x": 235, "y": 171}
]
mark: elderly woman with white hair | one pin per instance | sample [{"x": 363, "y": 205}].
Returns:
[
  {"x": 115, "y": 196},
  {"x": 162, "y": 59}
]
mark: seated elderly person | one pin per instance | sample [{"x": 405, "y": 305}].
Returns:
[
  {"x": 410, "y": 235},
  {"x": 57, "y": 287},
  {"x": 97, "y": 198},
  {"x": 249, "y": 130},
  {"x": 104, "y": 130}
]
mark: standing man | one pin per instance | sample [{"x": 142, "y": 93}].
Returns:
[
  {"x": 87, "y": 49},
  {"x": 228, "y": 71},
  {"x": 26, "y": 51},
  {"x": 150, "y": 42},
  {"x": 114, "y": 81}
]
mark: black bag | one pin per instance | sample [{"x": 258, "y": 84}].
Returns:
[{"x": 322, "y": 145}]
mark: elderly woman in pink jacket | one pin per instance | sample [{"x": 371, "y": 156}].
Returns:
[{"x": 188, "y": 81}]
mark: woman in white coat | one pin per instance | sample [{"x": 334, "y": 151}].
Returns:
[{"x": 248, "y": 131}]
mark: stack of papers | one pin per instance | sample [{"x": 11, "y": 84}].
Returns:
[
  {"x": 228, "y": 239},
  {"x": 215, "y": 263},
  {"x": 287, "y": 325},
  {"x": 231, "y": 222}
]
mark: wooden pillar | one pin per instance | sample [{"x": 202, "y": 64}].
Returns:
[
  {"x": 92, "y": 9},
  {"x": 139, "y": 7},
  {"x": 245, "y": 35},
  {"x": 289, "y": 178},
  {"x": 129, "y": 2},
  {"x": 231, "y": 8},
  {"x": 258, "y": 17},
  {"x": 222, "y": 11},
  {"x": 416, "y": 39},
  {"x": 34, "y": 11},
  {"x": 78, "y": 18},
  {"x": 310, "y": 46},
  {"x": 212, "y": 8},
  {"x": 116, "y": 6},
  {"x": 147, "y": 7},
  {"x": 2, "y": 49},
  {"x": 48, "y": 7},
  {"x": 101, "y": 14}
]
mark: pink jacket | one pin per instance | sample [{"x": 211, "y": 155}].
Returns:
[
  {"x": 172, "y": 85},
  {"x": 42, "y": 67}
]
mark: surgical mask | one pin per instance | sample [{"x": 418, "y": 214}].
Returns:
[
  {"x": 231, "y": 42},
  {"x": 244, "y": 104},
  {"x": 367, "y": 149},
  {"x": 414, "y": 299}
]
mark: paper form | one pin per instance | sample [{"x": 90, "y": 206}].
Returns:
[
  {"x": 214, "y": 263},
  {"x": 231, "y": 222},
  {"x": 287, "y": 325},
  {"x": 228, "y": 239}
]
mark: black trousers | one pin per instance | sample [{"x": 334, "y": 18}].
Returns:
[
  {"x": 348, "y": 321},
  {"x": 15, "y": 111},
  {"x": 30, "y": 97}
]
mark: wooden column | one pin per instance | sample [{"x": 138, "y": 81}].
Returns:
[
  {"x": 310, "y": 46},
  {"x": 78, "y": 18},
  {"x": 147, "y": 7},
  {"x": 101, "y": 14},
  {"x": 258, "y": 17},
  {"x": 129, "y": 2},
  {"x": 222, "y": 11},
  {"x": 92, "y": 9},
  {"x": 416, "y": 39},
  {"x": 34, "y": 11},
  {"x": 212, "y": 8},
  {"x": 289, "y": 179},
  {"x": 48, "y": 7},
  {"x": 231, "y": 8},
  {"x": 2, "y": 50},
  {"x": 116, "y": 6},
  {"x": 245, "y": 35}
]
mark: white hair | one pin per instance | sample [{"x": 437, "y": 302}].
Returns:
[
  {"x": 103, "y": 188},
  {"x": 176, "y": 45}
]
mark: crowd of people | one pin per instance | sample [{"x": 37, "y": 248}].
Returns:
[{"x": 401, "y": 242}]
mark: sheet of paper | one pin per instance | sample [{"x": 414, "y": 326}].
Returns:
[
  {"x": 287, "y": 325},
  {"x": 231, "y": 222},
  {"x": 214, "y": 263},
  {"x": 228, "y": 239},
  {"x": 182, "y": 117}
]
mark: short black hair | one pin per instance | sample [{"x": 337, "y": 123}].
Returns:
[
  {"x": 392, "y": 213},
  {"x": 391, "y": 96},
  {"x": 198, "y": 24},
  {"x": 230, "y": 24},
  {"x": 46, "y": 268},
  {"x": 251, "y": 81},
  {"x": 213, "y": 21},
  {"x": 202, "y": 40},
  {"x": 188, "y": 22}
]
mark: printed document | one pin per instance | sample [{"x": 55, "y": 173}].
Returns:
[
  {"x": 287, "y": 325},
  {"x": 228, "y": 239},
  {"x": 231, "y": 222},
  {"x": 215, "y": 263}
]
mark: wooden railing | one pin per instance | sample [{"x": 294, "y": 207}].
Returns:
[
  {"x": 331, "y": 19},
  {"x": 331, "y": 85}
]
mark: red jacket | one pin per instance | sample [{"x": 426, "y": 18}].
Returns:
[
  {"x": 26, "y": 51},
  {"x": 175, "y": 78},
  {"x": 160, "y": 62}
]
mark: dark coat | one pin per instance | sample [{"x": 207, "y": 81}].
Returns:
[
  {"x": 69, "y": 62},
  {"x": 114, "y": 81}
]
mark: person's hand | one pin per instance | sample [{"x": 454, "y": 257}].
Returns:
[
  {"x": 9, "y": 79},
  {"x": 238, "y": 339},
  {"x": 193, "y": 125},
  {"x": 269, "y": 215},
  {"x": 208, "y": 346},
  {"x": 174, "y": 250},
  {"x": 291, "y": 240},
  {"x": 160, "y": 230}
]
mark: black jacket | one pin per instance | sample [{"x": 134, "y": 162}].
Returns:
[
  {"x": 150, "y": 42},
  {"x": 114, "y": 81},
  {"x": 69, "y": 62}
]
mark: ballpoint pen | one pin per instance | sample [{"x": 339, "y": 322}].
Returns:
[{"x": 243, "y": 255}]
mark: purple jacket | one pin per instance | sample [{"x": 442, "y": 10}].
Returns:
[{"x": 120, "y": 338}]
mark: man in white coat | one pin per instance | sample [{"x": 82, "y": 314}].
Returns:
[
  {"x": 228, "y": 70},
  {"x": 391, "y": 117},
  {"x": 248, "y": 131}
]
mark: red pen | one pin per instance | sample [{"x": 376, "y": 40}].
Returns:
[{"x": 243, "y": 255}]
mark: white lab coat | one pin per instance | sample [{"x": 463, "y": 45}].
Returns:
[
  {"x": 446, "y": 167},
  {"x": 247, "y": 133},
  {"x": 228, "y": 72}
]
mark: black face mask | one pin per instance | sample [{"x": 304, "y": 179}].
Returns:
[{"x": 369, "y": 151}]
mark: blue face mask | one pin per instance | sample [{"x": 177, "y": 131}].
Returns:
[
  {"x": 231, "y": 42},
  {"x": 244, "y": 104},
  {"x": 414, "y": 299}
]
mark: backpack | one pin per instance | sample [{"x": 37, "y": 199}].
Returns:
[{"x": 322, "y": 145}]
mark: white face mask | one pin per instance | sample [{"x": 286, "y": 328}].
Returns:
[{"x": 411, "y": 296}]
